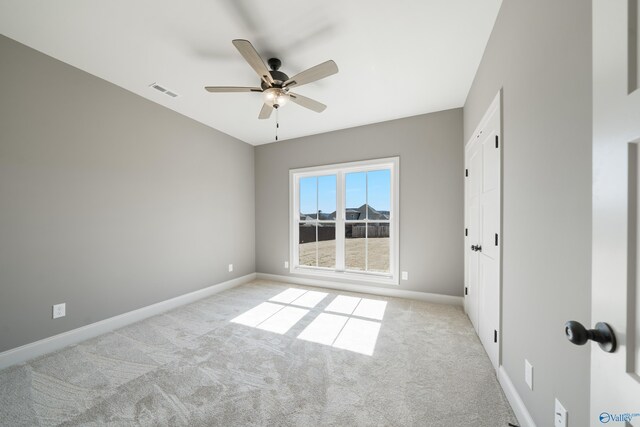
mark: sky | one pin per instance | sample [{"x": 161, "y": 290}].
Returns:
[{"x": 323, "y": 189}]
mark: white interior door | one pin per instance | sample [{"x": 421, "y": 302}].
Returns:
[
  {"x": 474, "y": 180},
  {"x": 490, "y": 235},
  {"x": 482, "y": 241},
  {"x": 615, "y": 377}
]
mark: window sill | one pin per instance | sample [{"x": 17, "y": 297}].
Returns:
[{"x": 346, "y": 276}]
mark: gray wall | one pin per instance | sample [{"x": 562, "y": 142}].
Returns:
[
  {"x": 540, "y": 53},
  {"x": 109, "y": 202},
  {"x": 431, "y": 193}
]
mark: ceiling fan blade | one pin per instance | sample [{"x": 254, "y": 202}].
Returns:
[
  {"x": 309, "y": 103},
  {"x": 224, "y": 89},
  {"x": 250, "y": 55},
  {"x": 313, "y": 74},
  {"x": 265, "y": 112}
]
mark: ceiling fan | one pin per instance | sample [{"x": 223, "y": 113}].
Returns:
[{"x": 275, "y": 84}]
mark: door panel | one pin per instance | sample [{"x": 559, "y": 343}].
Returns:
[
  {"x": 475, "y": 228},
  {"x": 615, "y": 384},
  {"x": 475, "y": 173},
  {"x": 490, "y": 225},
  {"x": 490, "y": 159},
  {"x": 490, "y": 307},
  {"x": 490, "y": 195},
  {"x": 473, "y": 284}
]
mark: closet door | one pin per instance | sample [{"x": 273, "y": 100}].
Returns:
[
  {"x": 474, "y": 186},
  {"x": 483, "y": 238},
  {"x": 489, "y": 254}
]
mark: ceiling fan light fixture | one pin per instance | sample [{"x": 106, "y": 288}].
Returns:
[{"x": 275, "y": 97}]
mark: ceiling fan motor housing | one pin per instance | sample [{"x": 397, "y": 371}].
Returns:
[
  {"x": 278, "y": 76},
  {"x": 278, "y": 79},
  {"x": 274, "y": 63}
]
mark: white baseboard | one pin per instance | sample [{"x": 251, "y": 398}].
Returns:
[
  {"x": 374, "y": 290},
  {"x": 29, "y": 351},
  {"x": 523, "y": 415},
  {"x": 38, "y": 348}
]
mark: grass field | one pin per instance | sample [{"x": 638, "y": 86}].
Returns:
[{"x": 354, "y": 254}]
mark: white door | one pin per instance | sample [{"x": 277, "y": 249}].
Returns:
[
  {"x": 615, "y": 377},
  {"x": 482, "y": 241},
  {"x": 474, "y": 180},
  {"x": 490, "y": 235}
]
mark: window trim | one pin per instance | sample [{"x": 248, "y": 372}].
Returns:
[{"x": 340, "y": 170}]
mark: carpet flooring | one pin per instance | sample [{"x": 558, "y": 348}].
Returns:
[{"x": 267, "y": 354}]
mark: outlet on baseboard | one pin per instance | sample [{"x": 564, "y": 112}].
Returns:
[
  {"x": 528, "y": 373},
  {"x": 230, "y": 268},
  {"x": 286, "y": 264},
  {"x": 405, "y": 275},
  {"x": 59, "y": 310}
]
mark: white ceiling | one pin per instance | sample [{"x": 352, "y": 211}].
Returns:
[{"x": 396, "y": 58}]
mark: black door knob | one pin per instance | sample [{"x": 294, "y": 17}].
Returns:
[
  {"x": 602, "y": 334},
  {"x": 473, "y": 248},
  {"x": 479, "y": 248}
]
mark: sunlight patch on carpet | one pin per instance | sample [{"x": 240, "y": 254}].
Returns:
[{"x": 348, "y": 323}]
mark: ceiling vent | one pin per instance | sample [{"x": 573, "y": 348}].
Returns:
[{"x": 164, "y": 90}]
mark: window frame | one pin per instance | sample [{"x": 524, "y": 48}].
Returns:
[{"x": 341, "y": 170}]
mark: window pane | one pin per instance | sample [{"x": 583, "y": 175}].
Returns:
[
  {"x": 354, "y": 246},
  {"x": 379, "y": 194},
  {"x": 307, "y": 247},
  {"x": 326, "y": 245},
  {"x": 378, "y": 247},
  {"x": 308, "y": 198},
  {"x": 327, "y": 197},
  {"x": 355, "y": 195}
]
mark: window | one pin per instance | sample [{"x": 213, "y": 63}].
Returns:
[{"x": 344, "y": 221}]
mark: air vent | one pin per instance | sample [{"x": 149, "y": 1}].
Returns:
[
  {"x": 164, "y": 90},
  {"x": 158, "y": 87}
]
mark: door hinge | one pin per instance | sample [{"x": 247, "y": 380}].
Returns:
[
  {"x": 495, "y": 335},
  {"x": 466, "y": 290},
  {"x": 496, "y": 239},
  {"x": 496, "y": 141},
  {"x": 466, "y": 172},
  {"x": 466, "y": 231}
]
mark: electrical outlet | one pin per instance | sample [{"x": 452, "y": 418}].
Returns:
[
  {"x": 230, "y": 268},
  {"x": 405, "y": 275},
  {"x": 528, "y": 373},
  {"x": 59, "y": 310},
  {"x": 560, "y": 417},
  {"x": 286, "y": 264}
]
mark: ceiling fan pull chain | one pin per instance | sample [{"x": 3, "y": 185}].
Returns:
[{"x": 277, "y": 122}]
